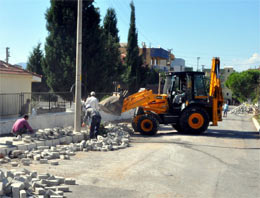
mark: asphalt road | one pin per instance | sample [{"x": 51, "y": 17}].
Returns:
[{"x": 222, "y": 163}]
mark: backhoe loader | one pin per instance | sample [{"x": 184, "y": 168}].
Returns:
[{"x": 185, "y": 103}]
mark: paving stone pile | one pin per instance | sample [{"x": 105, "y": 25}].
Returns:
[
  {"x": 23, "y": 183},
  {"x": 46, "y": 134},
  {"x": 244, "y": 109},
  {"x": 116, "y": 137}
]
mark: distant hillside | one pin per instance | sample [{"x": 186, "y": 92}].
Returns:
[{"x": 22, "y": 64}]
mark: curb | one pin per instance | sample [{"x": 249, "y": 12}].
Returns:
[{"x": 257, "y": 125}]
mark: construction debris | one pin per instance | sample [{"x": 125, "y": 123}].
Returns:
[
  {"x": 24, "y": 183},
  {"x": 112, "y": 105},
  {"x": 116, "y": 137},
  {"x": 244, "y": 109}
]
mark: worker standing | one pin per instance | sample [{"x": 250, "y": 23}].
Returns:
[
  {"x": 225, "y": 109},
  {"x": 92, "y": 101},
  {"x": 93, "y": 117},
  {"x": 21, "y": 126}
]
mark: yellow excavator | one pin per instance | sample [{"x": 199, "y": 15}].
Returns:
[{"x": 185, "y": 103}]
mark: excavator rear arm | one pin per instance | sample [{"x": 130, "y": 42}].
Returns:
[{"x": 215, "y": 92}]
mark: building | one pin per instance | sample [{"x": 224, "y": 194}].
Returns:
[
  {"x": 178, "y": 65},
  {"x": 224, "y": 74},
  {"x": 157, "y": 58},
  {"x": 13, "y": 81}
]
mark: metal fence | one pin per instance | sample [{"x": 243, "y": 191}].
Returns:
[{"x": 17, "y": 104}]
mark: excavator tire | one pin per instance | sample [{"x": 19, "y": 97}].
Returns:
[
  {"x": 194, "y": 120},
  {"x": 147, "y": 125}
]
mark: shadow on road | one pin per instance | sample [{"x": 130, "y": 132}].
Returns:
[
  {"x": 209, "y": 133},
  {"x": 232, "y": 134}
]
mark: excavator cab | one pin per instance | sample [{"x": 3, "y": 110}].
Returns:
[{"x": 184, "y": 88}]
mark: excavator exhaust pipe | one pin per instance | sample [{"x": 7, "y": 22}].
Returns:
[{"x": 113, "y": 104}]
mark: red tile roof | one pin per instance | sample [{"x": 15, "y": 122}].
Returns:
[{"x": 6, "y": 68}]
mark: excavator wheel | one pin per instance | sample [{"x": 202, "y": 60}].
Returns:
[
  {"x": 194, "y": 120},
  {"x": 147, "y": 125}
]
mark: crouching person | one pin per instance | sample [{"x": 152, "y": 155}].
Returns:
[
  {"x": 21, "y": 126},
  {"x": 93, "y": 117}
]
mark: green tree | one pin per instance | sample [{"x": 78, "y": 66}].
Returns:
[
  {"x": 34, "y": 64},
  {"x": 133, "y": 60},
  {"x": 113, "y": 65},
  {"x": 60, "y": 47},
  {"x": 110, "y": 24},
  {"x": 244, "y": 84}
]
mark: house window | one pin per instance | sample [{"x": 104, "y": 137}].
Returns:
[
  {"x": 227, "y": 94},
  {"x": 228, "y": 70}
]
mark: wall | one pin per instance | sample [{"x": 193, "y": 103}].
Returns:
[
  {"x": 15, "y": 83},
  {"x": 51, "y": 120},
  {"x": 10, "y": 86},
  {"x": 227, "y": 93}
]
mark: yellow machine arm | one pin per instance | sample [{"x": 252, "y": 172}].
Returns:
[
  {"x": 215, "y": 92},
  {"x": 150, "y": 102}
]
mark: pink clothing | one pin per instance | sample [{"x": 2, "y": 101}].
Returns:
[{"x": 20, "y": 124}]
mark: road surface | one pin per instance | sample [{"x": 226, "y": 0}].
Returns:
[{"x": 224, "y": 162}]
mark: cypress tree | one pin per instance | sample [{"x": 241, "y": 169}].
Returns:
[
  {"x": 133, "y": 60},
  {"x": 113, "y": 63},
  {"x": 110, "y": 24},
  {"x": 34, "y": 64}
]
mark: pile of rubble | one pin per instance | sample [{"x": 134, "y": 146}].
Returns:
[
  {"x": 244, "y": 109},
  {"x": 23, "y": 183},
  {"x": 46, "y": 134},
  {"x": 117, "y": 137}
]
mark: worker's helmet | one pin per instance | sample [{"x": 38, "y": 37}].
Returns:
[{"x": 92, "y": 93}]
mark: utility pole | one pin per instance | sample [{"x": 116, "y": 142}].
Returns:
[
  {"x": 77, "y": 116},
  {"x": 198, "y": 59},
  {"x": 7, "y": 53}
]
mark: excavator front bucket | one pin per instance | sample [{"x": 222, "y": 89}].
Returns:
[{"x": 113, "y": 104}]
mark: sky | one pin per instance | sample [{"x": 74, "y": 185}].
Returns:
[{"x": 229, "y": 29}]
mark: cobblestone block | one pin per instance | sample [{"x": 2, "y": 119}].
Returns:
[
  {"x": 23, "y": 194},
  {"x": 40, "y": 191},
  {"x": 69, "y": 181},
  {"x": 43, "y": 147},
  {"x": 54, "y": 163},
  {"x": 14, "y": 164},
  {"x": 39, "y": 143},
  {"x": 48, "y": 143},
  {"x": 1, "y": 188},
  {"x": 62, "y": 140},
  {"x": 68, "y": 139},
  {"x": 43, "y": 161},
  {"x": 31, "y": 146},
  {"x": 62, "y": 188},
  {"x": 22, "y": 147},
  {"x": 37, "y": 157},
  {"x": 16, "y": 187},
  {"x": 43, "y": 176},
  {"x": 9, "y": 142}
]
